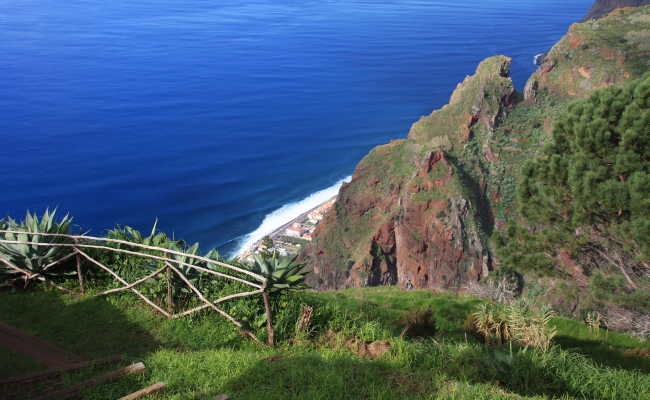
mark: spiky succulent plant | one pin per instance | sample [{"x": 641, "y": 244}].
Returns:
[
  {"x": 33, "y": 258},
  {"x": 155, "y": 238},
  {"x": 282, "y": 272}
]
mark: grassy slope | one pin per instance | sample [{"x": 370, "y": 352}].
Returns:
[{"x": 203, "y": 357}]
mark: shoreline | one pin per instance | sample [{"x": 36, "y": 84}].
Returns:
[{"x": 281, "y": 229}]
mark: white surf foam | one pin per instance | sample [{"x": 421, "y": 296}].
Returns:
[{"x": 286, "y": 213}]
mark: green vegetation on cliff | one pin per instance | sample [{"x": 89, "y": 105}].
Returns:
[{"x": 585, "y": 200}]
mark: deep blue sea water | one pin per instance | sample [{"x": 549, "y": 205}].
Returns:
[{"x": 213, "y": 115}]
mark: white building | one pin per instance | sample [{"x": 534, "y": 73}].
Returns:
[
  {"x": 295, "y": 231},
  {"x": 315, "y": 217}
]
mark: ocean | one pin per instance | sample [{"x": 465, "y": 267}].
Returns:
[{"x": 224, "y": 119}]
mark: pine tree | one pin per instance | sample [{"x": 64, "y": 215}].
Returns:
[{"x": 592, "y": 184}]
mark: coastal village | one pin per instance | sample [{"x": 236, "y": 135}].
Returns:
[{"x": 291, "y": 237}]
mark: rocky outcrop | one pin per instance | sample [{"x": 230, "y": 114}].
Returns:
[
  {"x": 604, "y": 7},
  {"x": 411, "y": 214},
  {"x": 599, "y": 9},
  {"x": 594, "y": 55}
]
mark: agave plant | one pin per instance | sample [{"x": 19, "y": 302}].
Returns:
[
  {"x": 282, "y": 273},
  {"x": 155, "y": 238},
  {"x": 33, "y": 259},
  {"x": 184, "y": 262}
]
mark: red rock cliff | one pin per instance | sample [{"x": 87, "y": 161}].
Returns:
[{"x": 411, "y": 215}]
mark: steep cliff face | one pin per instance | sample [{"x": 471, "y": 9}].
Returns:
[
  {"x": 603, "y": 7},
  {"x": 411, "y": 214},
  {"x": 419, "y": 211}
]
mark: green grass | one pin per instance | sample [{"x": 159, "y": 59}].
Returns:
[{"x": 202, "y": 357}]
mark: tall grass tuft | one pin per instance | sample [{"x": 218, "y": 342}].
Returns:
[{"x": 516, "y": 322}]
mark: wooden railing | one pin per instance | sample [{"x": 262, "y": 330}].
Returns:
[{"x": 78, "y": 244}]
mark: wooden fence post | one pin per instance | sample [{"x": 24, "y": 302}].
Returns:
[
  {"x": 79, "y": 274},
  {"x": 170, "y": 292},
  {"x": 269, "y": 319}
]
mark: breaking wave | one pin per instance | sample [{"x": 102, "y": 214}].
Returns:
[{"x": 288, "y": 212}]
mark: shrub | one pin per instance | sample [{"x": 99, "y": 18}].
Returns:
[
  {"x": 31, "y": 258},
  {"x": 604, "y": 286},
  {"x": 596, "y": 171},
  {"x": 489, "y": 322},
  {"x": 510, "y": 278},
  {"x": 638, "y": 301},
  {"x": 282, "y": 273},
  {"x": 499, "y": 323},
  {"x": 610, "y": 290}
]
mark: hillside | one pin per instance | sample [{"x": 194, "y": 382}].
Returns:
[
  {"x": 202, "y": 358},
  {"x": 604, "y": 7},
  {"x": 421, "y": 211}
]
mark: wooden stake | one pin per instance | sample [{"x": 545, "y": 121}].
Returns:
[
  {"x": 79, "y": 275},
  {"x": 156, "y": 387},
  {"x": 36, "y": 376},
  {"x": 109, "y": 377},
  {"x": 170, "y": 292},
  {"x": 269, "y": 319}
]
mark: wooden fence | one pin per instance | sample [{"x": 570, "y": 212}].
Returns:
[{"x": 78, "y": 244}]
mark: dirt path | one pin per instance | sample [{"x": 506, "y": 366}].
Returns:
[{"x": 37, "y": 349}]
